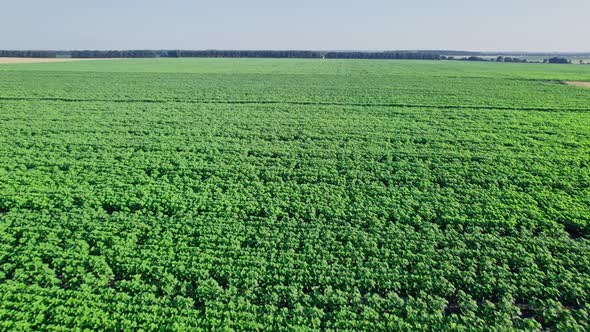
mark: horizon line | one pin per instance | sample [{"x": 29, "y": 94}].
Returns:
[{"x": 299, "y": 50}]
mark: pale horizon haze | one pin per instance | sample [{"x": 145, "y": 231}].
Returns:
[{"x": 501, "y": 25}]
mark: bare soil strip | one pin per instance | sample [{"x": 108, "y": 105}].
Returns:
[
  {"x": 582, "y": 84},
  {"x": 38, "y": 60}
]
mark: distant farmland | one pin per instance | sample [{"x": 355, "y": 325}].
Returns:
[{"x": 257, "y": 194}]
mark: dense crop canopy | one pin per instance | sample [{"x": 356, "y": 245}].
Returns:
[{"x": 294, "y": 194}]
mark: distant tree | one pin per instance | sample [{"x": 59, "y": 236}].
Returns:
[
  {"x": 558, "y": 60},
  {"x": 475, "y": 58}
]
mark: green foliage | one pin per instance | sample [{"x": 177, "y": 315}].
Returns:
[{"x": 201, "y": 194}]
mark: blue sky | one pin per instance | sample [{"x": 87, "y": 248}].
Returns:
[{"x": 491, "y": 25}]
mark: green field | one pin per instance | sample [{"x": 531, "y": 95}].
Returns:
[{"x": 250, "y": 194}]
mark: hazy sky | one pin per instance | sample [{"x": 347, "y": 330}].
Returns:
[{"x": 491, "y": 25}]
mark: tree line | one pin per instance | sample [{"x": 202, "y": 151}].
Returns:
[
  {"x": 28, "y": 54},
  {"x": 224, "y": 54},
  {"x": 404, "y": 55}
]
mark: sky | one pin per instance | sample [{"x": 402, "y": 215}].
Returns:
[{"x": 490, "y": 25}]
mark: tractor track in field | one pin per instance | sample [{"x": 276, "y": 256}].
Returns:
[{"x": 305, "y": 103}]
